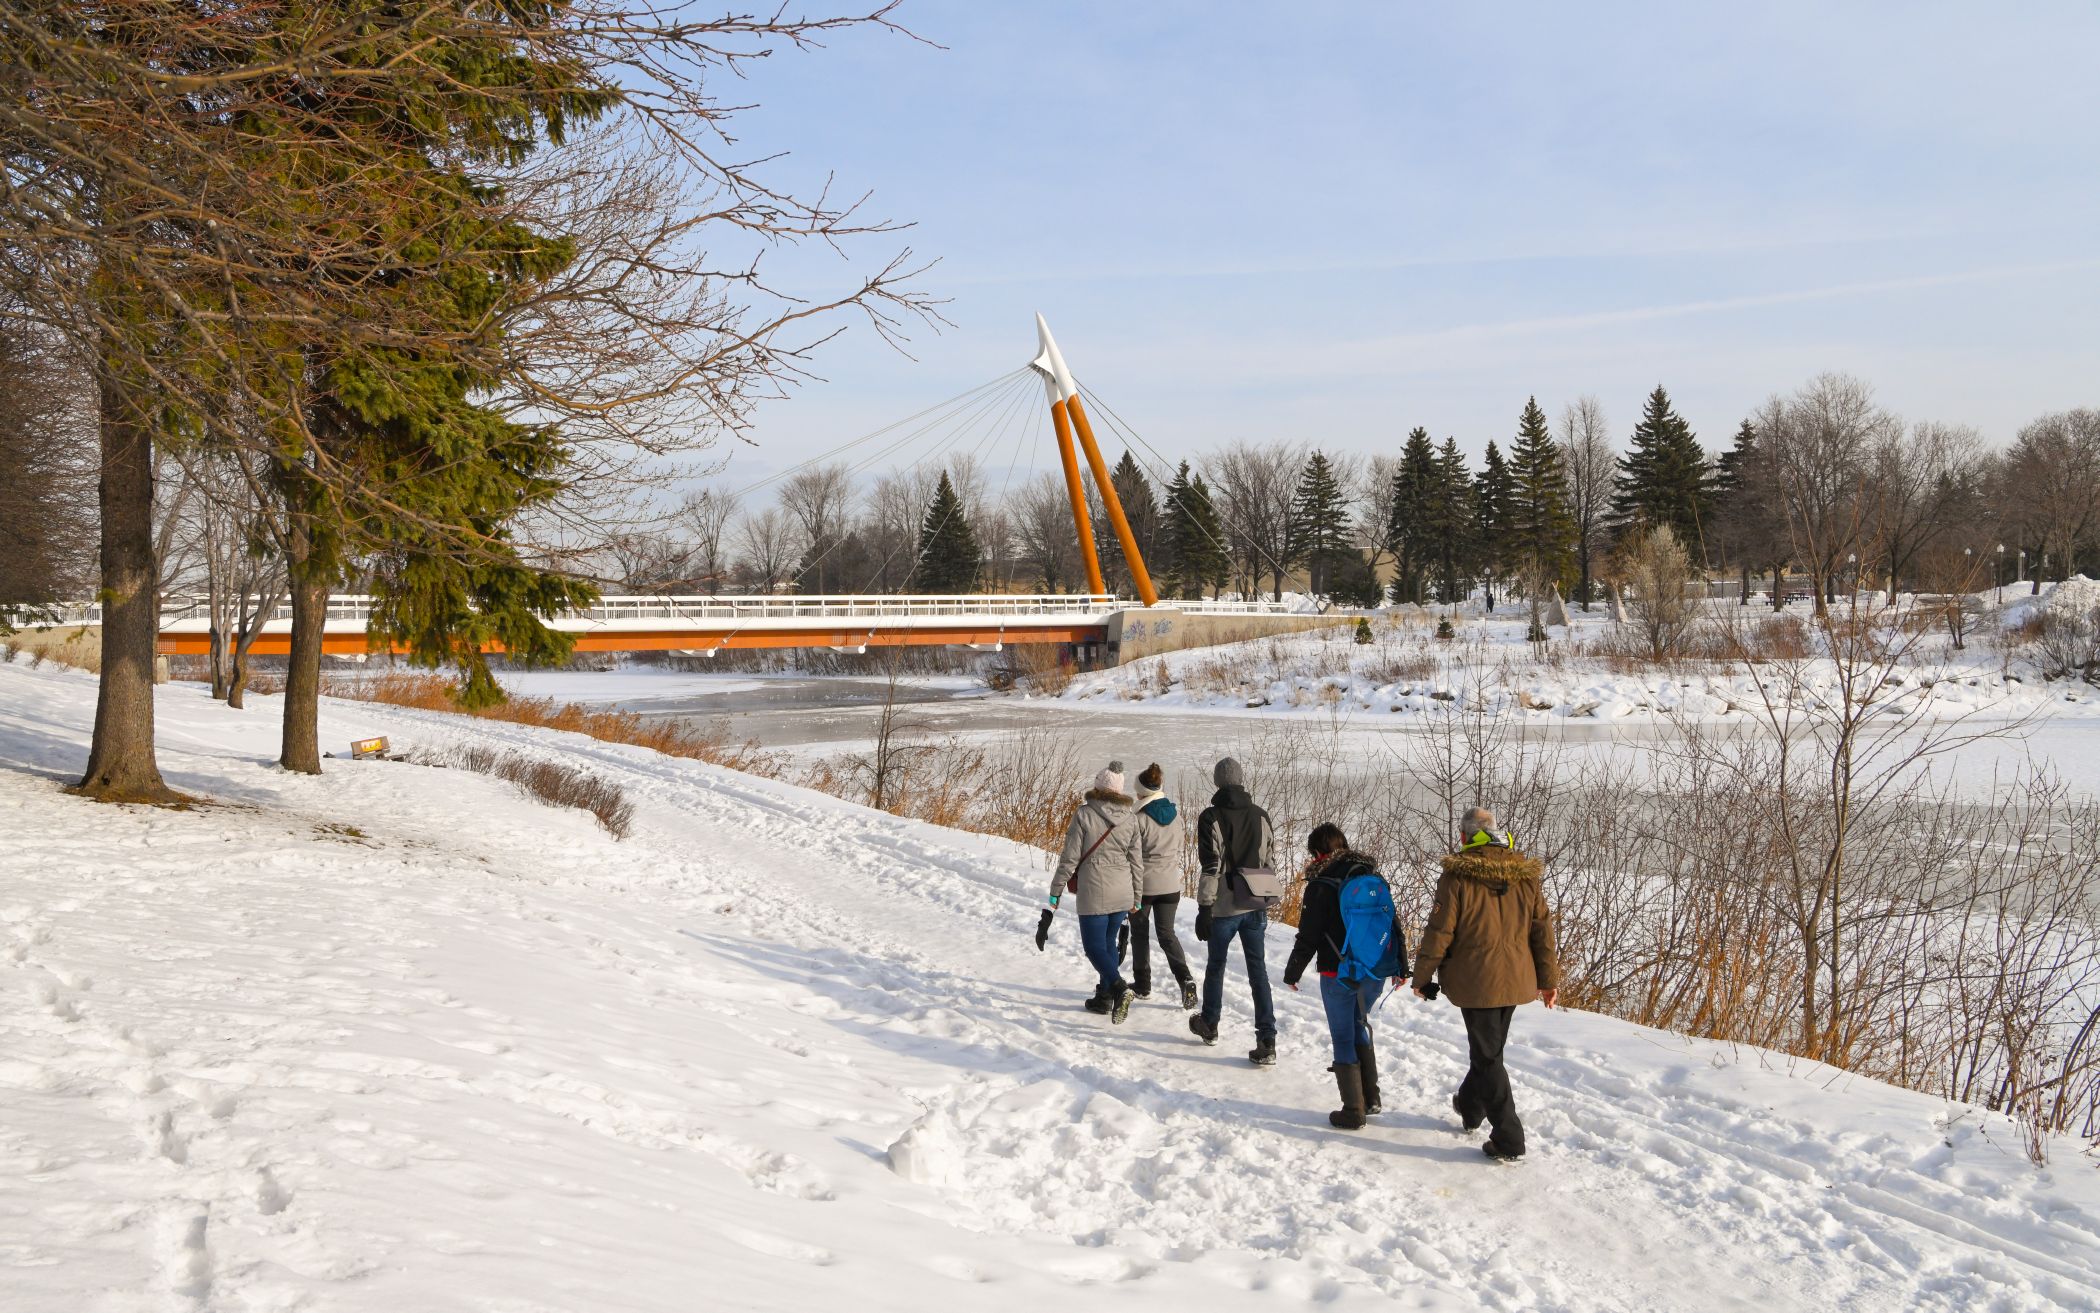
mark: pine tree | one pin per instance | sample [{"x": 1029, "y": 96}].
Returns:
[
  {"x": 1452, "y": 524},
  {"x": 1195, "y": 537},
  {"x": 1748, "y": 530},
  {"x": 1319, "y": 531},
  {"x": 1664, "y": 479},
  {"x": 1542, "y": 531},
  {"x": 949, "y": 561},
  {"x": 1141, "y": 509},
  {"x": 1494, "y": 511},
  {"x": 1410, "y": 534}
]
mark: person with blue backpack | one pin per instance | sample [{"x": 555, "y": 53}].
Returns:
[{"x": 1350, "y": 931}]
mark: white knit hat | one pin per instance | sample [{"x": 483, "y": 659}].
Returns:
[{"x": 1110, "y": 780}]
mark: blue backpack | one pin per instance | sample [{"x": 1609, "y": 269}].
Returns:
[{"x": 1368, "y": 951}]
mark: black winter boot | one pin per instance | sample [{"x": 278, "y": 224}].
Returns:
[
  {"x": 1188, "y": 996},
  {"x": 1098, "y": 1005},
  {"x": 1263, "y": 1054},
  {"x": 1202, "y": 1029},
  {"x": 1121, "y": 1008},
  {"x": 1367, "y": 1058},
  {"x": 1348, "y": 1076},
  {"x": 1470, "y": 1118}
]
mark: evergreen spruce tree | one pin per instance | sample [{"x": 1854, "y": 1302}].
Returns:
[
  {"x": 1494, "y": 501},
  {"x": 1141, "y": 509},
  {"x": 1410, "y": 534},
  {"x": 949, "y": 561},
  {"x": 1452, "y": 524},
  {"x": 1664, "y": 479},
  {"x": 1542, "y": 531},
  {"x": 1319, "y": 533},
  {"x": 1748, "y": 530},
  {"x": 1195, "y": 537}
]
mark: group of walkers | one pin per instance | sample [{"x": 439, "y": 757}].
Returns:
[{"x": 1487, "y": 945}]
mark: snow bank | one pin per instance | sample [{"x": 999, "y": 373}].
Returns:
[
  {"x": 397, "y": 1039},
  {"x": 1491, "y": 666}
]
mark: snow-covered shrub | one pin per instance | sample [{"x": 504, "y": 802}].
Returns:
[
  {"x": 551, "y": 782},
  {"x": 2066, "y": 629}
]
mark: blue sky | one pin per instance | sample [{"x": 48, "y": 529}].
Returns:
[{"x": 1333, "y": 222}]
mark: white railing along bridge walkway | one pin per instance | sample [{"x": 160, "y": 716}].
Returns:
[{"x": 710, "y": 623}]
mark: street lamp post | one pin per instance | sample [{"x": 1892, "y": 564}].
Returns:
[{"x": 1998, "y": 574}]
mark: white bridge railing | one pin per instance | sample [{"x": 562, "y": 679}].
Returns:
[{"x": 189, "y": 611}]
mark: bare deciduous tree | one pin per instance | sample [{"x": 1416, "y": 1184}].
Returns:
[
  {"x": 1814, "y": 446},
  {"x": 704, "y": 517},
  {"x": 820, "y": 500},
  {"x": 1587, "y": 456},
  {"x": 2051, "y": 487},
  {"x": 1253, "y": 484},
  {"x": 1912, "y": 479},
  {"x": 1048, "y": 540},
  {"x": 769, "y": 544}
]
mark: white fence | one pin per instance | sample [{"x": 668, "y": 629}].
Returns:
[{"x": 188, "y": 611}]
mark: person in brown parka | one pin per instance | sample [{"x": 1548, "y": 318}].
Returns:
[{"x": 1489, "y": 943}]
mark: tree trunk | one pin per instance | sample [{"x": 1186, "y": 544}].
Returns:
[
  {"x": 1585, "y": 578},
  {"x": 121, "y": 765},
  {"x": 1742, "y": 597},
  {"x": 1779, "y": 588},
  {"x": 302, "y": 678}
]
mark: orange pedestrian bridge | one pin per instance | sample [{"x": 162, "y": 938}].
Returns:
[{"x": 1100, "y": 625}]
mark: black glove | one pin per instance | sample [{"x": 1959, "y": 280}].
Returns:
[
  {"x": 1042, "y": 930},
  {"x": 1122, "y": 942},
  {"x": 1203, "y": 924},
  {"x": 1431, "y": 990}
]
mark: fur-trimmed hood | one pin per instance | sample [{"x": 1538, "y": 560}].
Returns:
[
  {"x": 1108, "y": 796},
  {"x": 1494, "y": 866},
  {"x": 1340, "y": 866}
]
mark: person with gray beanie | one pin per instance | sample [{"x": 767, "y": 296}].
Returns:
[
  {"x": 1103, "y": 864},
  {"x": 1236, "y": 848}
]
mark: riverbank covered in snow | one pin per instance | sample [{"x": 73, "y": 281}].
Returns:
[
  {"x": 1585, "y": 672},
  {"x": 399, "y": 1038}
]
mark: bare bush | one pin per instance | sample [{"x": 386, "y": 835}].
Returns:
[
  {"x": 2067, "y": 643},
  {"x": 1657, "y": 574},
  {"x": 552, "y": 782}
]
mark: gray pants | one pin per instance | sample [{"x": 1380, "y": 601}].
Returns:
[{"x": 1157, "y": 914}]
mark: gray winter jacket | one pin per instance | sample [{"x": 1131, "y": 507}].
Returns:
[
  {"x": 1112, "y": 878},
  {"x": 1159, "y": 840},
  {"x": 1232, "y": 834}
]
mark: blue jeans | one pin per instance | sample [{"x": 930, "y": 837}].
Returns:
[
  {"x": 1250, "y": 928},
  {"x": 1349, "y": 1005},
  {"x": 1097, "y": 934}
]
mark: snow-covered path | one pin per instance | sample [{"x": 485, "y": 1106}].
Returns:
[{"x": 396, "y": 1038}]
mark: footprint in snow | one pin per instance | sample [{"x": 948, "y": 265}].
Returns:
[{"x": 779, "y": 1246}]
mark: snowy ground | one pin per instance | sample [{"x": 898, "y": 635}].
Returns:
[
  {"x": 1405, "y": 670},
  {"x": 397, "y": 1039}
]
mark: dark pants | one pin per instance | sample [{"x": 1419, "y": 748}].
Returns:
[
  {"x": 1162, "y": 909},
  {"x": 1250, "y": 928},
  {"x": 1349, "y": 1005},
  {"x": 1097, "y": 934},
  {"x": 1485, "y": 1090}
]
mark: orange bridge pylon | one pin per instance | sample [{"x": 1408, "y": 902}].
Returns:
[{"x": 1068, "y": 415}]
